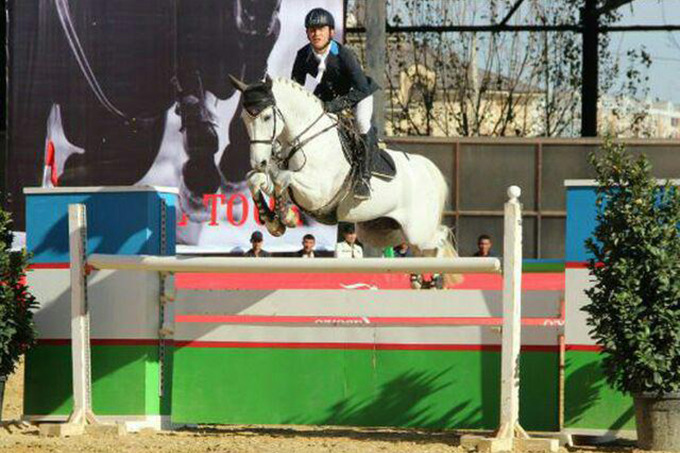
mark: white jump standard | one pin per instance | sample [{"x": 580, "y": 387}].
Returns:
[{"x": 509, "y": 435}]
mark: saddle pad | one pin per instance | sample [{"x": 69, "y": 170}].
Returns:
[{"x": 382, "y": 165}]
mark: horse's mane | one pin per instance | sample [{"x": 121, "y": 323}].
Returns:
[{"x": 288, "y": 83}]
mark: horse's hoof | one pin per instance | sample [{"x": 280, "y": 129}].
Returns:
[
  {"x": 192, "y": 205},
  {"x": 276, "y": 228},
  {"x": 229, "y": 188},
  {"x": 289, "y": 218}
]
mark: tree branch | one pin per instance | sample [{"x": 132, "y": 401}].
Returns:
[
  {"x": 511, "y": 12},
  {"x": 611, "y": 5}
]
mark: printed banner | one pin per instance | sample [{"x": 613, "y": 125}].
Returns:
[{"x": 127, "y": 92}]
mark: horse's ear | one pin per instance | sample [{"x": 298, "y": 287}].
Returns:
[
  {"x": 267, "y": 81},
  {"x": 237, "y": 83}
]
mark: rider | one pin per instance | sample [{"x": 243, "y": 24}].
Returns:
[{"x": 340, "y": 84}]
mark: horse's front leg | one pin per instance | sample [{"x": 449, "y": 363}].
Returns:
[
  {"x": 284, "y": 206},
  {"x": 260, "y": 183}
]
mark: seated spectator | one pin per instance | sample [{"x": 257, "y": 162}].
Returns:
[
  {"x": 484, "y": 246},
  {"x": 402, "y": 251},
  {"x": 256, "y": 251},
  {"x": 308, "y": 243},
  {"x": 349, "y": 248}
]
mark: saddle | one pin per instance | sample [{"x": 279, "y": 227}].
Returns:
[{"x": 382, "y": 164}]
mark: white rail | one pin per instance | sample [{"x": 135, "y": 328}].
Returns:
[{"x": 237, "y": 265}]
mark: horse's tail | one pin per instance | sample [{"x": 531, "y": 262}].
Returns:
[
  {"x": 447, "y": 240},
  {"x": 448, "y": 250}
]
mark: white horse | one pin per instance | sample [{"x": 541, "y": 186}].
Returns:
[{"x": 296, "y": 146}]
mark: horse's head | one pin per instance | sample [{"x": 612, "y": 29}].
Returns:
[
  {"x": 257, "y": 17},
  {"x": 262, "y": 118}
]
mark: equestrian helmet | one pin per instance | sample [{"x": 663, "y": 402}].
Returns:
[{"x": 318, "y": 17}]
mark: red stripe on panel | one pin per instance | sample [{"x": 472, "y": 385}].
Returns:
[
  {"x": 530, "y": 281},
  {"x": 580, "y": 265},
  {"x": 49, "y": 266},
  {"x": 364, "y": 346},
  {"x": 305, "y": 345},
  {"x": 583, "y": 347},
  {"x": 102, "y": 341}
]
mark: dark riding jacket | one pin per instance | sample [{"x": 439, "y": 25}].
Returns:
[{"x": 343, "y": 84}]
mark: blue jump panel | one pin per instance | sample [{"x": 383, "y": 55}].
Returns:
[
  {"x": 581, "y": 214},
  {"x": 118, "y": 222}
]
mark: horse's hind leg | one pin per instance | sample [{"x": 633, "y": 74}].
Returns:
[
  {"x": 439, "y": 246},
  {"x": 381, "y": 232}
]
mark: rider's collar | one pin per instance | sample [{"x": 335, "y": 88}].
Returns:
[{"x": 331, "y": 48}]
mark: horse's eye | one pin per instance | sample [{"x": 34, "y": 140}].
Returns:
[{"x": 267, "y": 117}]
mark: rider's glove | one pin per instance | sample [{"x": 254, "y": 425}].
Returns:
[
  {"x": 338, "y": 104},
  {"x": 333, "y": 106}
]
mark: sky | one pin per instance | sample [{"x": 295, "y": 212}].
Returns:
[{"x": 664, "y": 47}]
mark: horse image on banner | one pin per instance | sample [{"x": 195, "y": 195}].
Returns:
[{"x": 296, "y": 153}]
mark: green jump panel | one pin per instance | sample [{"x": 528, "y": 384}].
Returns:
[
  {"x": 125, "y": 380},
  {"x": 590, "y": 403},
  {"x": 357, "y": 387}
]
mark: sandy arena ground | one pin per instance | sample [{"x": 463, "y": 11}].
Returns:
[{"x": 17, "y": 437}]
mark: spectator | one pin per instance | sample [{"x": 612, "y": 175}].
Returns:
[
  {"x": 308, "y": 243},
  {"x": 402, "y": 251},
  {"x": 349, "y": 248},
  {"x": 256, "y": 251},
  {"x": 484, "y": 246}
]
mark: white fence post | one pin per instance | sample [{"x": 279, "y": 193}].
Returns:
[
  {"x": 510, "y": 435},
  {"x": 80, "y": 318},
  {"x": 512, "y": 314}
]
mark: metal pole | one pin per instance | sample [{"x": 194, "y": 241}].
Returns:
[
  {"x": 590, "y": 69},
  {"x": 376, "y": 38}
]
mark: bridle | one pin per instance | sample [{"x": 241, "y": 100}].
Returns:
[
  {"x": 272, "y": 140},
  {"x": 297, "y": 143}
]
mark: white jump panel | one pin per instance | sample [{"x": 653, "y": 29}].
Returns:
[{"x": 122, "y": 304}]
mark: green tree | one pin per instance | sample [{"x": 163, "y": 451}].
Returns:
[
  {"x": 17, "y": 329},
  {"x": 634, "y": 308}
]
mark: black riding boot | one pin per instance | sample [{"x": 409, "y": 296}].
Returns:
[
  {"x": 362, "y": 188},
  {"x": 200, "y": 140}
]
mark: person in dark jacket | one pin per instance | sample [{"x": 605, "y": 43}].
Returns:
[
  {"x": 307, "y": 250},
  {"x": 256, "y": 251},
  {"x": 340, "y": 83}
]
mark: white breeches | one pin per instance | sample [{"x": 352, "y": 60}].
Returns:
[{"x": 363, "y": 112}]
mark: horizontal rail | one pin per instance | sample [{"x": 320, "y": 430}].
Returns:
[
  {"x": 359, "y": 321},
  {"x": 500, "y": 213},
  {"x": 236, "y": 265},
  {"x": 501, "y": 28},
  {"x": 580, "y": 142}
]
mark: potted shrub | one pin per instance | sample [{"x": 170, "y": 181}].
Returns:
[
  {"x": 634, "y": 307},
  {"x": 17, "y": 330}
]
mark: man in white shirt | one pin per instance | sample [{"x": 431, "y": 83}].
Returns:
[{"x": 349, "y": 247}]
